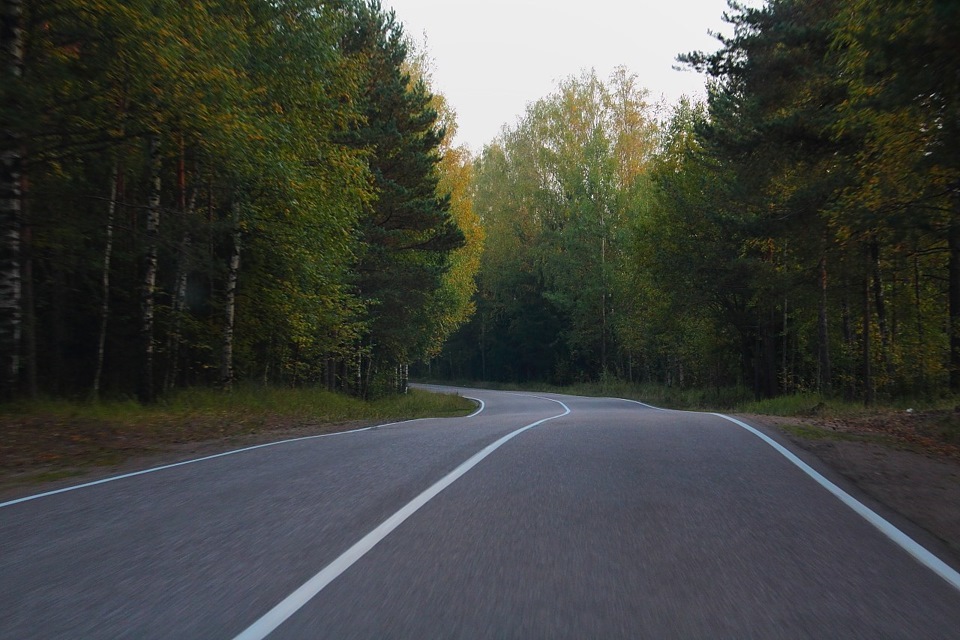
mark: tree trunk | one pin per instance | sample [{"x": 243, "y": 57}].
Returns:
[
  {"x": 483, "y": 346},
  {"x": 921, "y": 365},
  {"x": 179, "y": 299},
  {"x": 11, "y": 204},
  {"x": 786, "y": 376},
  {"x": 363, "y": 379},
  {"x": 849, "y": 341},
  {"x": 769, "y": 354},
  {"x": 953, "y": 242},
  {"x": 603, "y": 303},
  {"x": 105, "y": 280},
  {"x": 174, "y": 340},
  {"x": 29, "y": 310},
  {"x": 146, "y": 391},
  {"x": 867, "y": 375},
  {"x": 881, "y": 306},
  {"x": 226, "y": 361},
  {"x": 823, "y": 332}
]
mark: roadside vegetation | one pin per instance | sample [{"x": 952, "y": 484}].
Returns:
[
  {"x": 797, "y": 232},
  {"x": 47, "y": 439},
  {"x": 926, "y": 425},
  {"x": 205, "y": 193}
]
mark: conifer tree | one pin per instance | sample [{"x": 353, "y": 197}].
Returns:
[{"x": 407, "y": 232}]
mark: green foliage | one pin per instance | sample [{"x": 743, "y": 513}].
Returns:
[
  {"x": 291, "y": 130},
  {"x": 797, "y": 234},
  {"x": 246, "y": 402},
  {"x": 554, "y": 196},
  {"x": 407, "y": 233}
]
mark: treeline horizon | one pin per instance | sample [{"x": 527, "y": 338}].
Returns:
[
  {"x": 798, "y": 232},
  {"x": 204, "y": 192},
  {"x": 226, "y": 190}
]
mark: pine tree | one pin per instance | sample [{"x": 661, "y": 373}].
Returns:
[{"x": 408, "y": 232}]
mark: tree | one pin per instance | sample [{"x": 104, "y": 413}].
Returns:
[
  {"x": 904, "y": 74},
  {"x": 555, "y": 194},
  {"x": 407, "y": 232},
  {"x": 11, "y": 205}
]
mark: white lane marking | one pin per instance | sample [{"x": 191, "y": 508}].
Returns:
[
  {"x": 292, "y": 603},
  {"x": 481, "y": 408},
  {"x": 907, "y": 543},
  {"x": 643, "y": 404},
  {"x": 211, "y": 457},
  {"x": 898, "y": 537},
  {"x": 184, "y": 462}
]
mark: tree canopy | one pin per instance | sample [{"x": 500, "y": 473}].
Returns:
[
  {"x": 203, "y": 192},
  {"x": 798, "y": 231},
  {"x": 214, "y": 190}
]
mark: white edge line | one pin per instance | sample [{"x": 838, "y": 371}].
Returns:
[
  {"x": 185, "y": 462},
  {"x": 898, "y": 537},
  {"x": 292, "y": 603},
  {"x": 481, "y": 407},
  {"x": 35, "y": 496},
  {"x": 644, "y": 404},
  {"x": 910, "y": 545}
]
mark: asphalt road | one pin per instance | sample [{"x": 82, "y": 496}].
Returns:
[{"x": 602, "y": 519}]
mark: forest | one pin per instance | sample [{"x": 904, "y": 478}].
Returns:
[
  {"x": 198, "y": 193},
  {"x": 797, "y": 232},
  {"x": 206, "y": 192}
]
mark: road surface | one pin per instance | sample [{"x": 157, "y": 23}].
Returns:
[{"x": 541, "y": 516}]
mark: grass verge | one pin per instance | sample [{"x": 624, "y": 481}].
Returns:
[{"x": 56, "y": 439}]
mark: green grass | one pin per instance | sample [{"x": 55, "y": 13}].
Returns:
[
  {"x": 52, "y": 436},
  {"x": 59, "y": 474},
  {"x": 948, "y": 427},
  {"x": 812, "y": 404},
  {"x": 798, "y": 404},
  {"x": 657, "y": 395},
  {"x": 248, "y": 402},
  {"x": 811, "y": 432}
]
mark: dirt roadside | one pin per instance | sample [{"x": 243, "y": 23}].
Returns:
[
  {"x": 900, "y": 460},
  {"x": 42, "y": 455}
]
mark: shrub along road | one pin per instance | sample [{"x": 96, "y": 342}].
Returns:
[{"x": 541, "y": 516}]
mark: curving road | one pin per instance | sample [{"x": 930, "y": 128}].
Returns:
[{"x": 541, "y": 516}]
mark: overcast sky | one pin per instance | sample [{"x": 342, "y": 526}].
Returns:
[{"x": 493, "y": 57}]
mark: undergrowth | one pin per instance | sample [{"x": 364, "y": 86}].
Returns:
[
  {"x": 735, "y": 399},
  {"x": 247, "y": 401}
]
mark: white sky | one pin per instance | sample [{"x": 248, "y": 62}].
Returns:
[{"x": 493, "y": 57}]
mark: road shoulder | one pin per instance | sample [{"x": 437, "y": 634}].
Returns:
[{"x": 922, "y": 487}]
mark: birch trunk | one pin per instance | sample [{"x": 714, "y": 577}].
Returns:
[
  {"x": 226, "y": 361},
  {"x": 105, "y": 281},
  {"x": 150, "y": 274},
  {"x": 174, "y": 340},
  {"x": 11, "y": 203}
]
